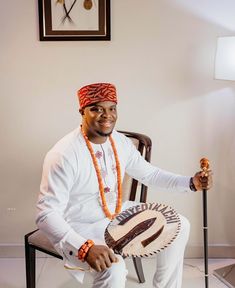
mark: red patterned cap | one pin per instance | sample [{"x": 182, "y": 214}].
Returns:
[{"x": 97, "y": 92}]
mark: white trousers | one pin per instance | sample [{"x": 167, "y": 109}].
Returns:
[{"x": 169, "y": 265}]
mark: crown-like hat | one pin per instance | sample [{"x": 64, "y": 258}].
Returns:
[{"x": 97, "y": 92}]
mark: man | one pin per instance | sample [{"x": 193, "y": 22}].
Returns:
[{"x": 81, "y": 192}]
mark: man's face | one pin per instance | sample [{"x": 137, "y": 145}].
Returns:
[{"x": 99, "y": 120}]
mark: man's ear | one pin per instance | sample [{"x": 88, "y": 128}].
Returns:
[{"x": 81, "y": 111}]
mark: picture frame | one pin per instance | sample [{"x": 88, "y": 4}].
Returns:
[{"x": 74, "y": 20}]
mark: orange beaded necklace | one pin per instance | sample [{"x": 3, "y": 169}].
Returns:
[{"x": 100, "y": 181}]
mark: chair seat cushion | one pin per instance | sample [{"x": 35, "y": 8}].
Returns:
[{"x": 39, "y": 239}]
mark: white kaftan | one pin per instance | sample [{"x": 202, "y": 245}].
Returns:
[{"x": 68, "y": 209}]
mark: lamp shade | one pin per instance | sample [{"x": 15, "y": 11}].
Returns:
[{"x": 225, "y": 58}]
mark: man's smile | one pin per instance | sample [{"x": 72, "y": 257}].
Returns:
[{"x": 106, "y": 124}]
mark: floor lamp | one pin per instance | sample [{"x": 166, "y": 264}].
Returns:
[{"x": 225, "y": 70}]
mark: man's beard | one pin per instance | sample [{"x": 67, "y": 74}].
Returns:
[{"x": 104, "y": 134}]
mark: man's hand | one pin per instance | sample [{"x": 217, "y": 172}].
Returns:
[
  {"x": 202, "y": 180},
  {"x": 100, "y": 257}
]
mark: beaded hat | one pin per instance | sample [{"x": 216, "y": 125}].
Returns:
[{"x": 96, "y": 92}]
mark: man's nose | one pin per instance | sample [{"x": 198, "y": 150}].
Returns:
[{"x": 106, "y": 114}]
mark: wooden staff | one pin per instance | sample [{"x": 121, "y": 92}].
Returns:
[{"x": 204, "y": 163}]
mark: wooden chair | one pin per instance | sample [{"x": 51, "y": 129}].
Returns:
[{"x": 36, "y": 240}]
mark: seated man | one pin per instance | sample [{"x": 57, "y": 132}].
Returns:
[{"x": 81, "y": 192}]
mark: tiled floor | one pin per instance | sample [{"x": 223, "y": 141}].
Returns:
[{"x": 51, "y": 274}]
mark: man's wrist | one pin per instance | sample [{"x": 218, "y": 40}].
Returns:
[
  {"x": 83, "y": 250},
  {"x": 191, "y": 185}
]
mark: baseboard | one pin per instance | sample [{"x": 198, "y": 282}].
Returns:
[
  {"x": 214, "y": 251},
  {"x": 16, "y": 251}
]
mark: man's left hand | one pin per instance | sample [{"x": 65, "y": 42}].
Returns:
[{"x": 203, "y": 180}]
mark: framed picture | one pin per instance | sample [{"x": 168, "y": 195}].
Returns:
[{"x": 74, "y": 20}]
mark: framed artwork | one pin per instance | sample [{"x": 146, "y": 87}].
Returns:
[{"x": 74, "y": 20}]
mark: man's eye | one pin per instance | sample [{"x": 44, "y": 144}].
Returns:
[{"x": 97, "y": 109}]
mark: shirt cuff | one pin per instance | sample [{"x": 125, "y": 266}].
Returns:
[
  {"x": 183, "y": 183},
  {"x": 71, "y": 241}
]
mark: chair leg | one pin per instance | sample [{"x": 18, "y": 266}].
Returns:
[
  {"x": 139, "y": 269},
  {"x": 30, "y": 265}
]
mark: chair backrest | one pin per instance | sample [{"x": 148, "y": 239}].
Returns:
[{"x": 130, "y": 186}]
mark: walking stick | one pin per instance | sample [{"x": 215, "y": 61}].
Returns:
[{"x": 205, "y": 166}]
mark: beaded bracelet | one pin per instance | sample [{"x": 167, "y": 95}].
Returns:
[{"x": 83, "y": 250}]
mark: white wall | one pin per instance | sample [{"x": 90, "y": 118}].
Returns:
[{"x": 161, "y": 59}]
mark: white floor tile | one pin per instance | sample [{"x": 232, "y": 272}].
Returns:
[
  {"x": 12, "y": 272},
  {"x": 50, "y": 273},
  {"x": 194, "y": 276}
]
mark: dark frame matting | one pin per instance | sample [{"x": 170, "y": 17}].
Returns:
[{"x": 46, "y": 33}]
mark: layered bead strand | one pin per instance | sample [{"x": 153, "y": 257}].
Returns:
[{"x": 100, "y": 181}]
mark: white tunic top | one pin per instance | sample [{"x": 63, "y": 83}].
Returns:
[{"x": 69, "y": 209}]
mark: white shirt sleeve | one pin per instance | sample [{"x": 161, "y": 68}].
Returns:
[
  {"x": 138, "y": 168},
  {"x": 57, "y": 180}
]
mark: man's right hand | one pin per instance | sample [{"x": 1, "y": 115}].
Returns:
[{"x": 100, "y": 257}]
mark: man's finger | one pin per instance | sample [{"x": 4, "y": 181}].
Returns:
[
  {"x": 113, "y": 258},
  {"x": 103, "y": 265},
  {"x": 108, "y": 262}
]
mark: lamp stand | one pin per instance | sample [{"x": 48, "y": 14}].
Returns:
[{"x": 226, "y": 275}]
